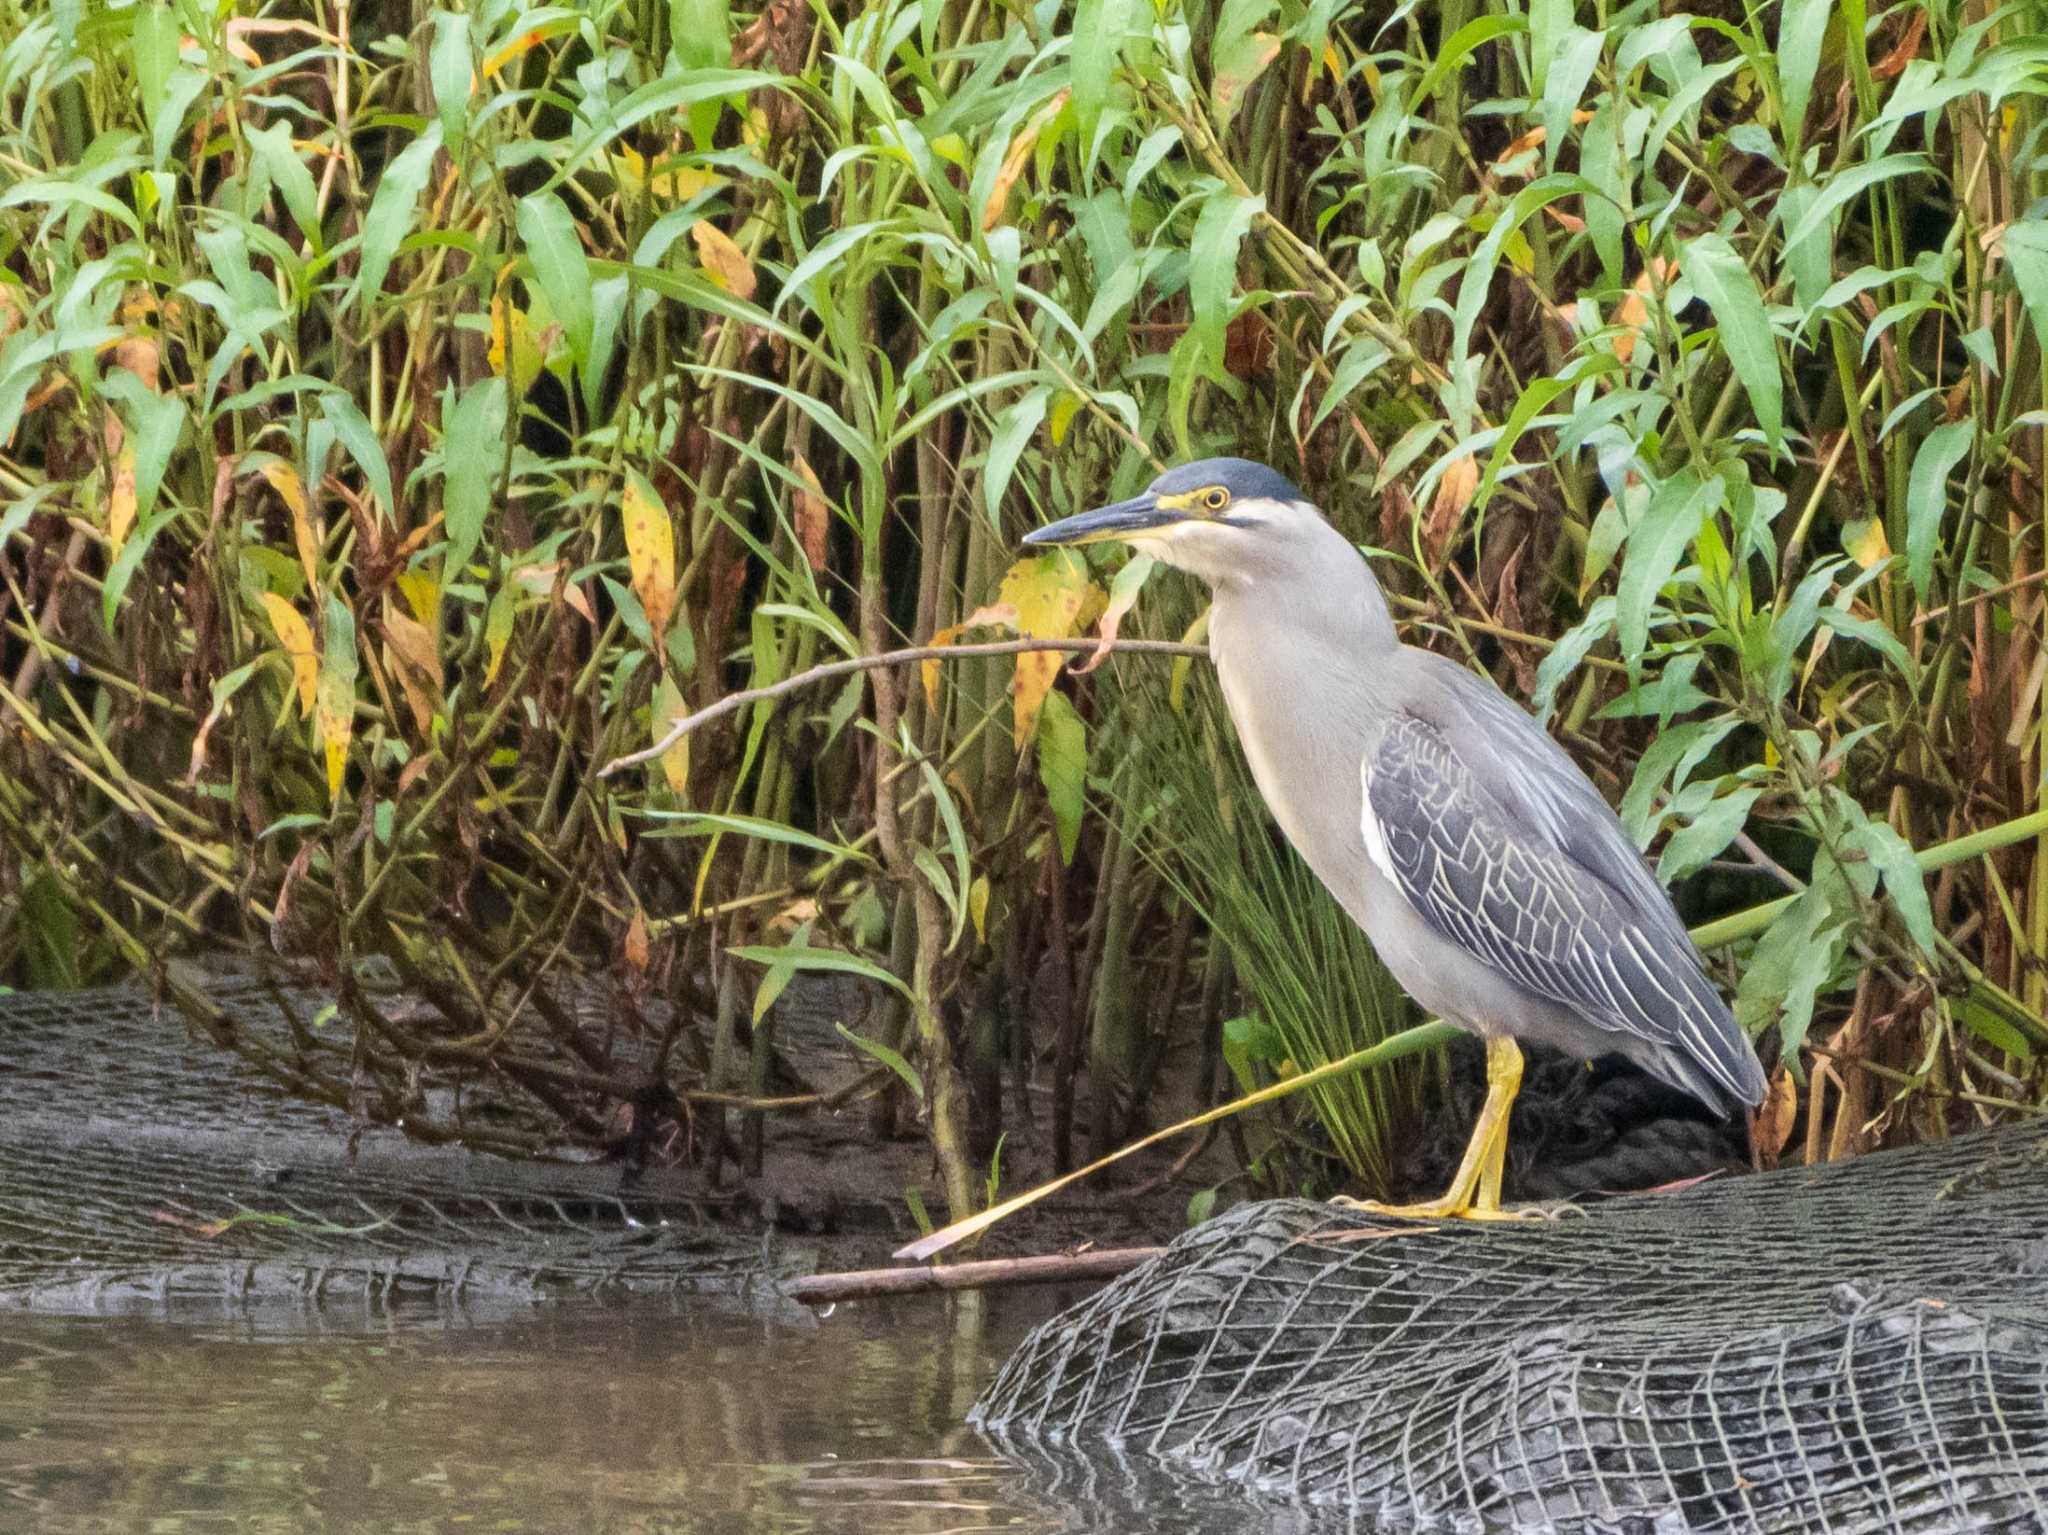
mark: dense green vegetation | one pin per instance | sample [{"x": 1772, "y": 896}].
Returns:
[{"x": 407, "y": 412}]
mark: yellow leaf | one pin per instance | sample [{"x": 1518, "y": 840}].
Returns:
[
  {"x": 668, "y": 708},
  {"x": 650, "y": 552},
  {"x": 514, "y": 49},
  {"x": 422, "y": 594},
  {"x": 724, "y": 260},
  {"x": 121, "y": 504},
  {"x": 1053, "y": 599},
  {"x": 977, "y": 907},
  {"x": 498, "y": 627},
  {"x": 335, "y": 699},
  {"x": 1177, "y": 687},
  {"x": 284, "y": 479},
  {"x": 296, "y": 636},
  {"x": 1865, "y": 542},
  {"x": 678, "y": 184},
  {"x": 1061, "y": 416},
  {"x": 512, "y": 331},
  {"x": 636, "y": 941}
]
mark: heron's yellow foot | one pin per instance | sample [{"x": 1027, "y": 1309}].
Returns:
[{"x": 1474, "y": 1194}]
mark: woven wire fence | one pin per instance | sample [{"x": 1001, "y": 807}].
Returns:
[
  {"x": 1860, "y": 1347},
  {"x": 141, "y": 1168}
]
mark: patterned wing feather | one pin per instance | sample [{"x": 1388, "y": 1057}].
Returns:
[{"x": 1557, "y": 901}]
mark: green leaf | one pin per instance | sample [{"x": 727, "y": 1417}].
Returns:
[
  {"x": 1692, "y": 847},
  {"x": 274, "y": 152},
  {"x": 1063, "y": 768},
  {"x": 1723, "y": 281},
  {"x": 1013, "y": 431},
  {"x": 2026, "y": 252},
  {"x": 129, "y": 560},
  {"x": 1994, "y": 1030},
  {"x": 472, "y": 458},
  {"x": 450, "y": 72},
  {"x": 1655, "y": 546},
  {"x": 1249, "y": 1042},
  {"x": 1462, "y": 45},
  {"x": 394, "y": 209},
  {"x": 1927, "y": 497},
  {"x": 1099, "y": 30},
  {"x": 890, "y": 1058},
  {"x": 560, "y": 267},
  {"x": 1872, "y": 632},
  {"x": 1793, "y": 960},
  {"x": 1802, "y": 24},
  {"x": 1240, "y": 51},
  {"x": 1539, "y": 393},
  {"x": 1212, "y": 267},
  {"x": 1570, "y": 70},
  {"x": 806, "y": 958},
  {"x": 1903, "y": 880},
  {"x": 700, "y": 31},
  {"x": 1850, "y": 183},
  {"x": 956, "y": 834},
  {"x": 353, "y": 428},
  {"x": 1670, "y": 759},
  {"x": 155, "y": 422}
]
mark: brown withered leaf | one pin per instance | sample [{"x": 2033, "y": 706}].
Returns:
[
  {"x": 1528, "y": 143},
  {"x": 141, "y": 356},
  {"x": 813, "y": 515},
  {"x": 1123, "y": 591},
  {"x": 1248, "y": 346},
  {"x": 1771, "y": 1126},
  {"x": 1908, "y": 48},
  {"x": 1454, "y": 490},
  {"x": 1018, "y": 157}
]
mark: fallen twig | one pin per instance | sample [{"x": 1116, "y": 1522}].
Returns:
[
  {"x": 983, "y": 1274},
  {"x": 825, "y": 673}
]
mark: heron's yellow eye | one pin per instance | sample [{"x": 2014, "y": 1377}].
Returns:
[{"x": 1215, "y": 498}]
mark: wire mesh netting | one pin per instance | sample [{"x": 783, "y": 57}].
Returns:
[
  {"x": 1858, "y": 1347},
  {"x": 143, "y": 1169}
]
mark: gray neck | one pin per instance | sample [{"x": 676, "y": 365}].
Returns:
[{"x": 1318, "y": 586}]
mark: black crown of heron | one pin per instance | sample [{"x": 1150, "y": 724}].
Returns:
[{"x": 1495, "y": 883}]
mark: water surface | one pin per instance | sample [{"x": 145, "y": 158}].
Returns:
[{"x": 699, "y": 1420}]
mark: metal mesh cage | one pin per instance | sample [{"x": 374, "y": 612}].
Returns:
[
  {"x": 1860, "y": 1347},
  {"x": 142, "y": 1169}
]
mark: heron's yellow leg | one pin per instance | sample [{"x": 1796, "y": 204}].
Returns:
[{"x": 1474, "y": 1193}]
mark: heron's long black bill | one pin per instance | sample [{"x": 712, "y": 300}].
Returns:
[{"x": 1119, "y": 520}]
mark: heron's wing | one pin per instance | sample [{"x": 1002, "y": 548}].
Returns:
[{"x": 1504, "y": 848}]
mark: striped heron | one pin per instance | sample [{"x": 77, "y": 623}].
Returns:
[{"x": 1495, "y": 883}]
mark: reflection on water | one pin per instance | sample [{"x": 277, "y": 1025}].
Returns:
[{"x": 638, "y": 1418}]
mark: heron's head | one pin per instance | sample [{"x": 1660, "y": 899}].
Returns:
[{"x": 1220, "y": 518}]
